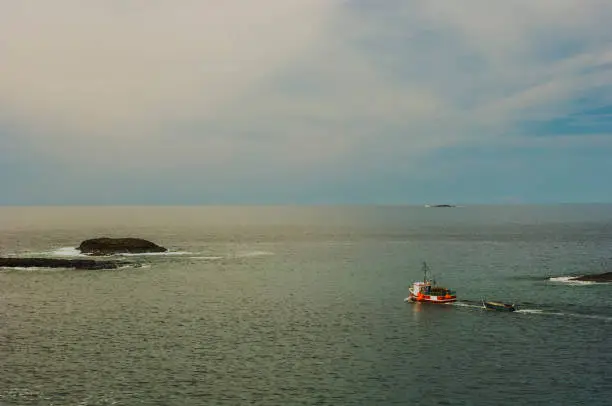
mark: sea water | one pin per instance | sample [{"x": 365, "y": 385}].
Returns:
[{"x": 305, "y": 306}]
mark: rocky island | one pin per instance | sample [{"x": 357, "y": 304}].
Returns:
[
  {"x": 93, "y": 247},
  {"x": 110, "y": 246},
  {"x": 61, "y": 263},
  {"x": 602, "y": 277}
]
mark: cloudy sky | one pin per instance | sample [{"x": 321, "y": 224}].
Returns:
[{"x": 305, "y": 101}]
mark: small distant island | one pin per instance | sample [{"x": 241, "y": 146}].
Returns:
[{"x": 440, "y": 205}]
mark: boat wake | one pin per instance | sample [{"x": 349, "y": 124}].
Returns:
[
  {"x": 468, "y": 304},
  {"x": 530, "y": 311},
  {"x": 564, "y": 314},
  {"x": 541, "y": 312}
]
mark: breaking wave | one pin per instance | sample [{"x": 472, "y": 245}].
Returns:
[
  {"x": 67, "y": 252},
  {"x": 30, "y": 268},
  {"x": 570, "y": 280},
  {"x": 72, "y": 252}
]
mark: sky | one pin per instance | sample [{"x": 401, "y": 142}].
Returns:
[{"x": 305, "y": 102}]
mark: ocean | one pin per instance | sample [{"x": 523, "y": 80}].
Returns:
[{"x": 305, "y": 306}]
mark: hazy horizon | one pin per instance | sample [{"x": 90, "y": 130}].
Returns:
[
  {"x": 306, "y": 205},
  {"x": 453, "y": 204}
]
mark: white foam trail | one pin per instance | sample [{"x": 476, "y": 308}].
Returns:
[
  {"x": 210, "y": 258},
  {"x": 132, "y": 266},
  {"x": 54, "y": 269},
  {"x": 31, "y": 268},
  {"x": 155, "y": 254},
  {"x": 64, "y": 252},
  {"x": 74, "y": 252},
  {"x": 59, "y": 252},
  {"x": 529, "y": 311},
  {"x": 589, "y": 316},
  {"x": 67, "y": 252},
  {"x": 542, "y": 312},
  {"x": 577, "y": 315},
  {"x": 461, "y": 304},
  {"x": 570, "y": 280},
  {"x": 249, "y": 254},
  {"x": 561, "y": 279}
]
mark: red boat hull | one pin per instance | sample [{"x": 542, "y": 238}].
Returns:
[{"x": 433, "y": 299}]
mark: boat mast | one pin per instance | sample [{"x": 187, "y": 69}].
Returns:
[{"x": 425, "y": 269}]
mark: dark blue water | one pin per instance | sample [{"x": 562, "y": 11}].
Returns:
[{"x": 304, "y": 305}]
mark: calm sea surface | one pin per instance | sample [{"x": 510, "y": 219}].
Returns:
[{"x": 305, "y": 306}]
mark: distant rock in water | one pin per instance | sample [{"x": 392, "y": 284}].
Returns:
[
  {"x": 60, "y": 263},
  {"x": 109, "y": 246},
  {"x": 602, "y": 277}
]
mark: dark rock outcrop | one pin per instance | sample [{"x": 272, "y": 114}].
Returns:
[
  {"x": 60, "y": 263},
  {"x": 110, "y": 246},
  {"x": 602, "y": 277}
]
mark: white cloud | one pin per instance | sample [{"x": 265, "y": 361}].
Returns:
[
  {"x": 539, "y": 55},
  {"x": 99, "y": 67}
]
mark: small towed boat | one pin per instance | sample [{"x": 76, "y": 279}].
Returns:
[{"x": 501, "y": 307}]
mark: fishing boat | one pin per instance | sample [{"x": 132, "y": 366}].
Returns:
[
  {"x": 428, "y": 291},
  {"x": 500, "y": 307}
]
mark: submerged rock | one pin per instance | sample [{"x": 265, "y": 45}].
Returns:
[
  {"x": 602, "y": 277},
  {"x": 109, "y": 246},
  {"x": 60, "y": 263}
]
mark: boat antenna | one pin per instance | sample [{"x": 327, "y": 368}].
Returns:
[{"x": 425, "y": 269}]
